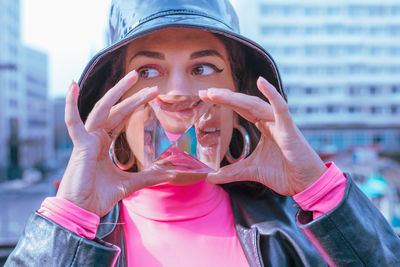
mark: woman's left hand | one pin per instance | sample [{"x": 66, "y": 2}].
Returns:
[{"x": 283, "y": 160}]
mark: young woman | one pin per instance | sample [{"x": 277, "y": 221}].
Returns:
[{"x": 115, "y": 211}]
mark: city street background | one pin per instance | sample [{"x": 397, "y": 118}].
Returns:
[{"x": 339, "y": 62}]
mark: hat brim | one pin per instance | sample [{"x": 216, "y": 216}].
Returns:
[{"x": 106, "y": 67}]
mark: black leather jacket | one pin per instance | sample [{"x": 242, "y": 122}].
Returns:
[{"x": 271, "y": 234}]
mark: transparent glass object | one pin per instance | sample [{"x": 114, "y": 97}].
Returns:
[{"x": 181, "y": 133}]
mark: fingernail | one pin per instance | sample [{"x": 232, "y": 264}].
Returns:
[
  {"x": 71, "y": 86},
  {"x": 203, "y": 93},
  {"x": 152, "y": 89},
  {"x": 263, "y": 80},
  {"x": 213, "y": 91},
  {"x": 131, "y": 73}
]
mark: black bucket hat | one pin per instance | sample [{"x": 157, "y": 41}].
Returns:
[{"x": 131, "y": 19}]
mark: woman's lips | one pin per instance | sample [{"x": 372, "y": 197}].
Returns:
[
  {"x": 208, "y": 130},
  {"x": 208, "y": 137},
  {"x": 178, "y": 103},
  {"x": 180, "y": 108}
]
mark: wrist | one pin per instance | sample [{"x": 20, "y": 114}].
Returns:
[{"x": 313, "y": 174}]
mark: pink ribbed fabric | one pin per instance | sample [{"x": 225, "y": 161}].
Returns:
[
  {"x": 167, "y": 225},
  {"x": 193, "y": 225},
  {"x": 325, "y": 194},
  {"x": 70, "y": 216}
]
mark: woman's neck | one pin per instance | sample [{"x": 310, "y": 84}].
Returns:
[{"x": 166, "y": 202}]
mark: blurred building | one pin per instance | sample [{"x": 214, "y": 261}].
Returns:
[
  {"x": 24, "y": 113},
  {"x": 340, "y": 64},
  {"x": 62, "y": 141},
  {"x": 37, "y": 135},
  {"x": 11, "y": 87}
]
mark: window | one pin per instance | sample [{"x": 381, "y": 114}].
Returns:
[
  {"x": 395, "y": 10},
  {"x": 355, "y": 10},
  {"x": 288, "y": 89},
  {"x": 13, "y": 85},
  {"x": 394, "y": 50},
  {"x": 354, "y": 109},
  {"x": 359, "y": 139},
  {"x": 357, "y": 69},
  {"x": 312, "y": 50},
  {"x": 308, "y": 91},
  {"x": 312, "y": 10},
  {"x": 289, "y": 50},
  {"x": 394, "y": 70},
  {"x": 333, "y": 50},
  {"x": 377, "y": 10},
  {"x": 288, "y": 10},
  {"x": 394, "y": 30},
  {"x": 354, "y": 30},
  {"x": 13, "y": 103},
  {"x": 33, "y": 122},
  {"x": 377, "y": 139},
  {"x": 267, "y": 10},
  {"x": 333, "y": 10},
  {"x": 293, "y": 110},
  {"x": 354, "y": 91},
  {"x": 338, "y": 141},
  {"x": 269, "y": 30},
  {"x": 289, "y": 30},
  {"x": 333, "y": 29},
  {"x": 314, "y": 70},
  {"x": 332, "y": 70},
  {"x": 377, "y": 30},
  {"x": 312, "y": 30},
  {"x": 376, "y": 109},
  {"x": 332, "y": 109},
  {"x": 289, "y": 70}
]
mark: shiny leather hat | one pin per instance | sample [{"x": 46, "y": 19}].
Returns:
[{"x": 131, "y": 19}]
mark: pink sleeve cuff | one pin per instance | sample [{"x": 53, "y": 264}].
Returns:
[
  {"x": 70, "y": 216},
  {"x": 325, "y": 194}
]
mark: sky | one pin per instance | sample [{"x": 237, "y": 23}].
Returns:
[{"x": 70, "y": 32}]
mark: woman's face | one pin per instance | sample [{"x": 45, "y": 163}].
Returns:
[{"x": 180, "y": 62}]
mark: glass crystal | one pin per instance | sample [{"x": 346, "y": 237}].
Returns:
[{"x": 181, "y": 133}]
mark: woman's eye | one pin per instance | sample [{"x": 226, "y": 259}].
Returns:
[
  {"x": 148, "y": 73},
  {"x": 205, "y": 69}
]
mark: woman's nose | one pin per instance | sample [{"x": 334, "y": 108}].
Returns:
[{"x": 178, "y": 84}]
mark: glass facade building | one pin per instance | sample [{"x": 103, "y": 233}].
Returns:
[
  {"x": 25, "y": 128},
  {"x": 340, "y": 65}
]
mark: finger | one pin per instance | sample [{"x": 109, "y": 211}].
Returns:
[
  {"x": 232, "y": 173},
  {"x": 75, "y": 126},
  {"x": 124, "y": 109},
  {"x": 250, "y": 107},
  {"x": 146, "y": 178},
  {"x": 279, "y": 105},
  {"x": 101, "y": 110}
]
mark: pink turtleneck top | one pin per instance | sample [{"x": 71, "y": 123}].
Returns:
[{"x": 167, "y": 225}]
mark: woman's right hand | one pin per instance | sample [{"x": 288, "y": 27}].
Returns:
[{"x": 91, "y": 180}]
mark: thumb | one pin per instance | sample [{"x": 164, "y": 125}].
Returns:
[
  {"x": 232, "y": 173},
  {"x": 146, "y": 178}
]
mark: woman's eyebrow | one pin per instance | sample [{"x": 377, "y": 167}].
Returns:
[
  {"x": 205, "y": 53},
  {"x": 150, "y": 54}
]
